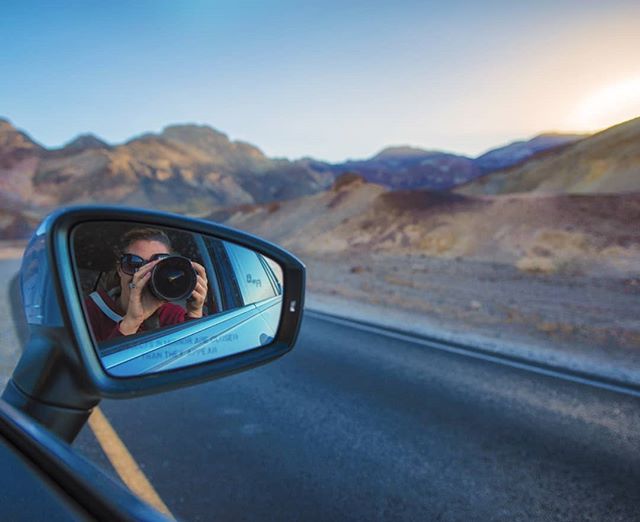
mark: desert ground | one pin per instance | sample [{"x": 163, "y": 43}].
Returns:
[{"x": 583, "y": 322}]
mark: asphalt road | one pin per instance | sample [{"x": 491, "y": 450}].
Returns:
[{"x": 356, "y": 426}]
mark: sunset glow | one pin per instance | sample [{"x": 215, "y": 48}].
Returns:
[{"x": 609, "y": 105}]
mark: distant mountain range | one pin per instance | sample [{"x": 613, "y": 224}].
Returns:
[
  {"x": 407, "y": 168},
  {"x": 194, "y": 169},
  {"x": 403, "y": 168},
  {"x": 198, "y": 170}
]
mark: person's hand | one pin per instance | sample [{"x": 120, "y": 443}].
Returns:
[
  {"x": 197, "y": 299},
  {"x": 142, "y": 305}
]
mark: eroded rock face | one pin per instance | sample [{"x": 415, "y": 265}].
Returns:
[
  {"x": 185, "y": 168},
  {"x": 19, "y": 160},
  {"x": 15, "y": 146}
]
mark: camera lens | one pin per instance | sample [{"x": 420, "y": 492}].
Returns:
[{"x": 173, "y": 279}]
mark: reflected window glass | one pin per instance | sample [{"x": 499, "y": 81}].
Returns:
[{"x": 253, "y": 280}]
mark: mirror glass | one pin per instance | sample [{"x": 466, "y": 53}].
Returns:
[{"x": 156, "y": 299}]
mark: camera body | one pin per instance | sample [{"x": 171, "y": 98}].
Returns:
[{"x": 173, "y": 279}]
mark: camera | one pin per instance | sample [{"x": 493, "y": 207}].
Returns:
[{"x": 173, "y": 279}]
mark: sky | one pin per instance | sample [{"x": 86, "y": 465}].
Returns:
[{"x": 330, "y": 80}]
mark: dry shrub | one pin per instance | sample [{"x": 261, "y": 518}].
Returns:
[
  {"x": 625, "y": 259},
  {"x": 398, "y": 281},
  {"x": 616, "y": 251},
  {"x": 536, "y": 265},
  {"x": 539, "y": 251},
  {"x": 551, "y": 327},
  {"x": 365, "y": 225},
  {"x": 560, "y": 242},
  {"x": 556, "y": 251},
  {"x": 438, "y": 242},
  {"x": 273, "y": 207}
]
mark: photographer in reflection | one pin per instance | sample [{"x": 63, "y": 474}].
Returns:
[{"x": 130, "y": 307}]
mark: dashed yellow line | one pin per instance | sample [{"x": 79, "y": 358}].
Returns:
[{"x": 123, "y": 462}]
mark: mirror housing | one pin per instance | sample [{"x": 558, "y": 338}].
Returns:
[{"x": 60, "y": 366}]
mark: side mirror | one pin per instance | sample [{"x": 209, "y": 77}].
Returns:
[{"x": 125, "y": 302}]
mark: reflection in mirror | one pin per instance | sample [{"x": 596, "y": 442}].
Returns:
[{"x": 156, "y": 299}]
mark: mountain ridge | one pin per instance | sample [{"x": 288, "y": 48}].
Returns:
[
  {"x": 402, "y": 167},
  {"x": 184, "y": 168},
  {"x": 605, "y": 162}
]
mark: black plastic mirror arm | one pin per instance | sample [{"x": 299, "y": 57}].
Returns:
[
  {"x": 51, "y": 387},
  {"x": 66, "y": 423}
]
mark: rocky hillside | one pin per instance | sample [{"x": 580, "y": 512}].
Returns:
[
  {"x": 185, "y": 168},
  {"x": 535, "y": 232},
  {"x": 19, "y": 158},
  {"x": 16, "y": 224},
  {"x": 291, "y": 222},
  {"x": 605, "y": 163}
]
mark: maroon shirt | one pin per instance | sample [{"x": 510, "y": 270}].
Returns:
[{"x": 105, "y": 324}]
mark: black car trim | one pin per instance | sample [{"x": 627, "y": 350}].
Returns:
[{"x": 100, "y": 495}]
